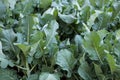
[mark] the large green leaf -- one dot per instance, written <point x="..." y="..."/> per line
<point x="111" y="62"/>
<point x="118" y="34"/>
<point x="99" y="72"/>
<point x="10" y="3"/>
<point x="8" y="37"/>
<point x="65" y="59"/>
<point x="104" y="20"/>
<point x="51" y="32"/>
<point x="102" y="33"/>
<point x="78" y="42"/>
<point x="33" y="77"/>
<point x="27" y="9"/>
<point x="45" y="3"/>
<point x="48" y="76"/>
<point x="93" y="47"/>
<point x="24" y="47"/>
<point x="92" y="18"/>
<point x="2" y="9"/>
<point x="28" y="26"/>
<point x="1" y="52"/>
<point x="4" y="62"/>
<point x="117" y="51"/>
<point x="49" y="15"/>
<point x="67" y="18"/>
<point x="116" y="6"/>
<point x="34" y="48"/>
<point x="85" y="13"/>
<point x="84" y="70"/>
<point x="6" y="74"/>
<point x="36" y="36"/>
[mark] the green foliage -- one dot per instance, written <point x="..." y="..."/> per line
<point x="6" y="74"/>
<point x="59" y="39"/>
<point x="84" y="70"/>
<point x="66" y="60"/>
<point x="45" y="3"/>
<point x="48" y="76"/>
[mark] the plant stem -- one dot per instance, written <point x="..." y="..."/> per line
<point x="45" y="60"/>
<point x="28" y="69"/>
<point x="21" y="67"/>
<point x="98" y="55"/>
<point x="75" y="76"/>
<point x="32" y="68"/>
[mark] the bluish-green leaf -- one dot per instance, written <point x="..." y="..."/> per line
<point x="49" y="14"/>
<point x="6" y="74"/>
<point x="93" y="47"/>
<point x="67" y="18"/>
<point x="10" y="3"/>
<point x="65" y="59"/>
<point x="34" y="48"/>
<point x="84" y="70"/>
<point x="51" y="32"/>
<point x="2" y="9"/>
<point x="92" y="18"/>
<point x="34" y="77"/>
<point x="7" y="38"/>
<point x="3" y="61"/>
<point x="102" y="33"/>
<point x="24" y="47"/>
<point x="111" y="62"/>
<point x="99" y="72"/>
<point x="118" y="34"/>
<point x="48" y="76"/>
<point x="45" y="3"/>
